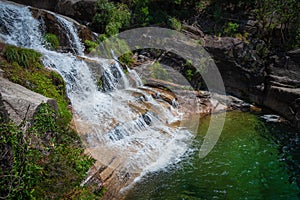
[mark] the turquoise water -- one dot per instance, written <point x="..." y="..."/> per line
<point x="252" y="160"/>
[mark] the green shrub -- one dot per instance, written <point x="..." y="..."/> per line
<point x="141" y="14"/>
<point x="24" y="57"/>
<point x="175" y="24"/>
<point x="90" y="45"/>
<point x="46" y="161"/>
<point x="111" y="17"/>
<point x="52" y="40"/>
<point x="189" y="74"/>
<point x="231" y="28"/>
<point x="273" y="14"/>
<point x="102" y="37"/>
<point x="100" y="84"/>
<point x="126" y="59"/>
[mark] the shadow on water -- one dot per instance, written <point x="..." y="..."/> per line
<point x="252" y="160"/>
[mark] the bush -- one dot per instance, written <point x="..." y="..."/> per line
<point x="52" y="40"/>
<point x="231" y="28"/>
<point x="24" y="57"/>
<point x="141" y="14"/>
<point x="278" y="14"/>
<point x="189" y="74"/>
<point x="175" y="24"/>
<point x="126" y="59"/>
<point x="90" y="45"/>
<point x="46" y="161"/>
<point x="111" y="17"/>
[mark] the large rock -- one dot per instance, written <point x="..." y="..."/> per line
<point x="45" y="4"/>
<point x="19" y="103"/>
<point x="283" y="85"/>
<point x="285" y="101"/>
<point x="241" y="68"/>
<point x="81" y="10"/>
<point x="54" y="26"/>
<point x="247" y="73"/>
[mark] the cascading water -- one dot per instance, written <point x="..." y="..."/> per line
<point x="121" y="122"/>
<point x="69" y="28"/>
<point x="18" y="27"/>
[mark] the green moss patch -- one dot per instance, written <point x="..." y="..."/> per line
<point x="52" y="40"/>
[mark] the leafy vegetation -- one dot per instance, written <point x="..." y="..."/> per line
<point x="274" y="14"/>
<point x="45" y="161"/>
<point x="231" y="28"/>
<point x="42" y="159"/>
<point x="90" y="45"/>
<point x="51" y="40"/>
<point x="24" y="57"/>
<point x="126" y="59"/>
<point x="189" y="74"/>
<point x="111" y="17"/>
<point x="175" y="24"/>
<point x="222" y="18"/>
<point x="38" y="79"/>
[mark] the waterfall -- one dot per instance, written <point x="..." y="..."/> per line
<point x="114" y="122"/>
<point x="69" y="28"/>
<point x="18" y="27"/>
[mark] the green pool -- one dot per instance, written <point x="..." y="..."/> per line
<point x="252" y="160"/>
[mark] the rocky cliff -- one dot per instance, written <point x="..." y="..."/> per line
<point x="272" y="81"/>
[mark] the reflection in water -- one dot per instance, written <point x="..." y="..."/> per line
<point x="252" y="160"/>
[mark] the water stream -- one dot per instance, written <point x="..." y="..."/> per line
<point x="123" y="121"/>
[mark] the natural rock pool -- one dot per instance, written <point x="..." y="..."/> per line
<point x="252" y="160"/>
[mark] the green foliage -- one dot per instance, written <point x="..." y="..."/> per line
<point x="86" y="193"/>
<point x="52" y="40"/>
<point x="141" y="12"/>
<point x="175" y="24"/>
<point x="24" y="57"/>
<point x="189" y="74"/>
<point x="201" y="6"/>
<point x="231" y="28"/>
<point x="111" y="17"/>
<point x="102" y="37"/>
<point x="158" y="72"/>
<point x="126" y="59"/>
<point x="296" y="33"/>
<point x="217" y="13"/>
<point x="45" y="161"/>
<point x="90" y="45"/>
<point x="40" y="80"/>
<point x="278" y="14"/>
<point x="20" y="172"/>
